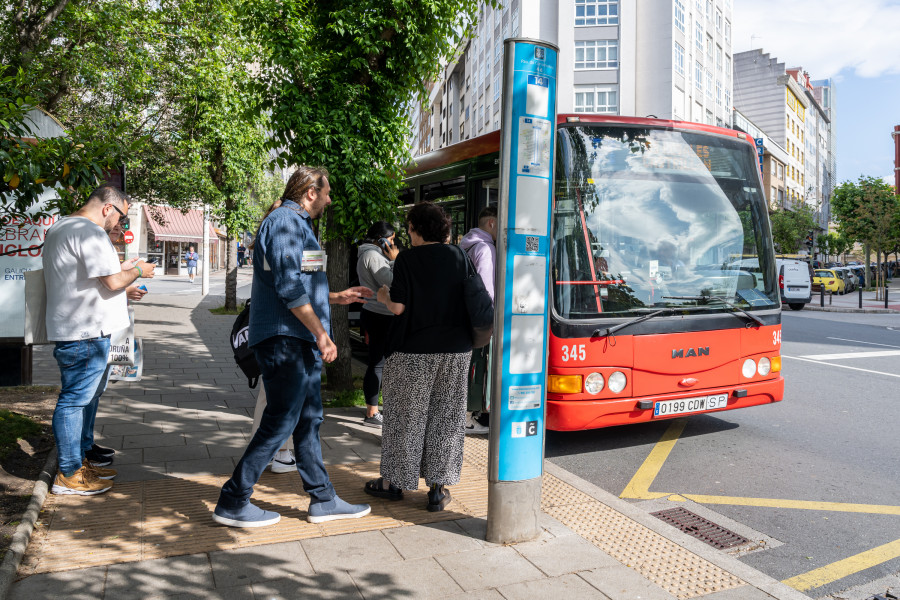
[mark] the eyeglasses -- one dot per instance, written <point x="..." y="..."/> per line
<point x="123" y="218"/>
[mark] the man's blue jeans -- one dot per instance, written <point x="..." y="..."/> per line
<point x="291" y="370"/>
<point x="82" y="365"/>
<point x="90" y="413"/>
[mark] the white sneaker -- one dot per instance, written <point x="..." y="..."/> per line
<point x="473" y="427"/>
<point x="283" y="462"/>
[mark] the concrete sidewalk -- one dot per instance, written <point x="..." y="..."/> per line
<point x="850" y="302"/>
<point x="179" y="433"/>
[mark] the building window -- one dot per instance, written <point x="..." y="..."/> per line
<point x="599" y="54"/>
<point x="719" y="93"/>
<point x="602" y="100"/>
<point x="496" y="88"/>
<point x="728" y="65"/>
<point x="709" y="84"/>
<point x="515" y="21"/>
<point x="727" y="31"/>
<point x="679" y="15"/>
<point x="698" y="75"/>
<point x="709" y="47"/>
<point x="679" y="59"/>
<point x="709" y="117"/>
<point x="718" y="58"/>
<point x="597" y="12"/>
<point x="498" y="50"/>
<point x="718" y="20"/>
<point x="727" y="98"/>
<point x="709" y="10"/>
<point x="698" y="37"/>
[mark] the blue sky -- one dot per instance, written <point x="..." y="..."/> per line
<point x="856" y="44"/>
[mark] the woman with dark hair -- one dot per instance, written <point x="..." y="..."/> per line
<point x="429" y="349"/>
<point x="374" y="267"/>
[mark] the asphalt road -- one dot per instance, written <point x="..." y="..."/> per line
<point x="180" y="285"/>
<point x="817" y="476"/>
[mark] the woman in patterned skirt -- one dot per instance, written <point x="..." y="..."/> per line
<point x="429" y="347"/>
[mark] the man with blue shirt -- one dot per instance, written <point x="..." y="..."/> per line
<point x="290" y="334"/>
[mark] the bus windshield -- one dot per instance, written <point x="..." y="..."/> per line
<point x="650" y="218"/>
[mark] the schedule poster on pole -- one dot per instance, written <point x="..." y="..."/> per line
<point x="528" y="141"/>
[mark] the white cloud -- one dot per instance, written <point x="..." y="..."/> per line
<point x="822" y="36"/>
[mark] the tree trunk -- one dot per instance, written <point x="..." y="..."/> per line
<point x="231" y="268"/>
<point x="339" y="373"/>
<point x="867" y="270"/>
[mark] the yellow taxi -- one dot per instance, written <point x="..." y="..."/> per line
<point x="832" y="281"/>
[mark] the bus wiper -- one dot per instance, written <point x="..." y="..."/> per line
<point x="723" y="301"/>
<point x="611" y="330"/>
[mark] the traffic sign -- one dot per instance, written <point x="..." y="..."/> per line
<point x="129" y="237"/>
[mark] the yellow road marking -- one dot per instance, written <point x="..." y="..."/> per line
<point x="875" y="509"/>
<point x="639" y="486"/>
<point x="843" y="568"/>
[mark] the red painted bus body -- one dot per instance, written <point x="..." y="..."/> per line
<point x="662" y="284"/>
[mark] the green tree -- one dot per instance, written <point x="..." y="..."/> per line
<point x="868" y="212"/>
<point x="834" y="243"/>
<point x="338" y="78"/>
<point x="790" y="227"/>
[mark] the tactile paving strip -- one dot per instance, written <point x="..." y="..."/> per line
<point x="171" y="517"/>
<point x="675" y="569"/>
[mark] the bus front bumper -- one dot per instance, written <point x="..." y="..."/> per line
<point x="575" y="415"/>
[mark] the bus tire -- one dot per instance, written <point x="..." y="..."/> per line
<point x="796" y="305"/>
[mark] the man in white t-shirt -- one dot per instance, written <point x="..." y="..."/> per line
<point x="86" y="301"/>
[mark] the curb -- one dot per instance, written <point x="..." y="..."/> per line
<point x="22" y="536"/>
<point x="751" y="576"/>
<point x="841" y="309"/>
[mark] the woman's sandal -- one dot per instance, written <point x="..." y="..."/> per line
<point x="376" y="488"/>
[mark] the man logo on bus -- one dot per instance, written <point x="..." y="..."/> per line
<point x="690" y="352"/>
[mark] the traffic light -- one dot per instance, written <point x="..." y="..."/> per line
<point x="126" y="225"/>
<point x="809" y="241"/>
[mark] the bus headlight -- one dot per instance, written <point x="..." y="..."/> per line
<point x="564" y="384"/>
<point x="617" y="382"/>
<point x="765" y="365"/>
<point x="749" y="368"/>
<point x="593" y="383"/>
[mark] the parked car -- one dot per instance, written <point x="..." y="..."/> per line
<point x="833" y="282"/>
<point x="849" y="278"/>
<point x="795" y="282"/>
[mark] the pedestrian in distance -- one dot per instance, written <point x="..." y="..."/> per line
<point x="191" y="258"/>
<point x="289" y="332"/>
<point x="86" y="302"/>
<point x="240" y="255"/>
<point x="374" y="267"/>
<point x="479" y="244"/>
<point x="429" y="349"/>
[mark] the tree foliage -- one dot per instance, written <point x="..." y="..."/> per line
<point x="338" y="78"/>
<point x="790" y="227"/>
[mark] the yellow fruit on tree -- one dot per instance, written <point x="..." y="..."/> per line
<point x="65" y="169"/>
<point x="14" y="182"/>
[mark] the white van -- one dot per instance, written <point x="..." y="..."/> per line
<point x="795" y="282"/>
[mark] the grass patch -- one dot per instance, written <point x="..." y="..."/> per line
<point x="221" y="310"/>
<point x="346" y="398"/>
<point x="14" y="427"/>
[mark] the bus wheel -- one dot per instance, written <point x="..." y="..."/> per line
<point x="796" y="305"/>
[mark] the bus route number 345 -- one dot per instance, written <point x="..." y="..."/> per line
<point x="573" y="352"/>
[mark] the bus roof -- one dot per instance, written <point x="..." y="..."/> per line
<point x="490" y="142"/>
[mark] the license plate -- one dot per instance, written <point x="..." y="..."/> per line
<point x="664" y="408"/>
<point x="795" y="289"/>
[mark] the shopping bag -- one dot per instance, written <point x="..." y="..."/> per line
<point x="130" y="372"/>
<point x="121" y="343"/>
<point x="35" y="308"/>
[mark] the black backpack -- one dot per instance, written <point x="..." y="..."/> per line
<point x="243" y="355"/>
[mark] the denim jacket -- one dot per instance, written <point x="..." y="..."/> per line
<point x="278" y="283"/>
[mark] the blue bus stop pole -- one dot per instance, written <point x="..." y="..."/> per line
<point x="521" y="299"/>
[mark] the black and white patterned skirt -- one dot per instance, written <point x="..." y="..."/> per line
<point x="424" y="418"/>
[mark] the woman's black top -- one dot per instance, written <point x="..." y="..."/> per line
<point x="428" y="280"/>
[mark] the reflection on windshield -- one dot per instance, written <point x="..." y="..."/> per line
<point x="644" y="215"/>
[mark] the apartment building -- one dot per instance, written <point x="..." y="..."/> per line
<point x="773" y="161"/>
<point x="668" y="58"/>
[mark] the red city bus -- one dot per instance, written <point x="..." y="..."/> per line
<point x="664" y="299"/>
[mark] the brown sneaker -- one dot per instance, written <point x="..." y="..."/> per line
<point x="82" y="482"/>
<point x="99" y="472"/>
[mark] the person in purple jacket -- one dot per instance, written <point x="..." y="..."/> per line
<point x="479" y="245"/>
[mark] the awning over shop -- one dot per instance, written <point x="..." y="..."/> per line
<point x="172" y="225"/>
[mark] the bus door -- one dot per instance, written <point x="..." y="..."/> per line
<point x="451" y="196"/>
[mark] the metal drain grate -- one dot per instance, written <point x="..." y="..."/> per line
<point x="702" y="529"/>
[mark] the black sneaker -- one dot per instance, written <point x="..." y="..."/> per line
<point x="101" y="450"/>
<point x="97" y="459"/>
<point x="438" y="498"/>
